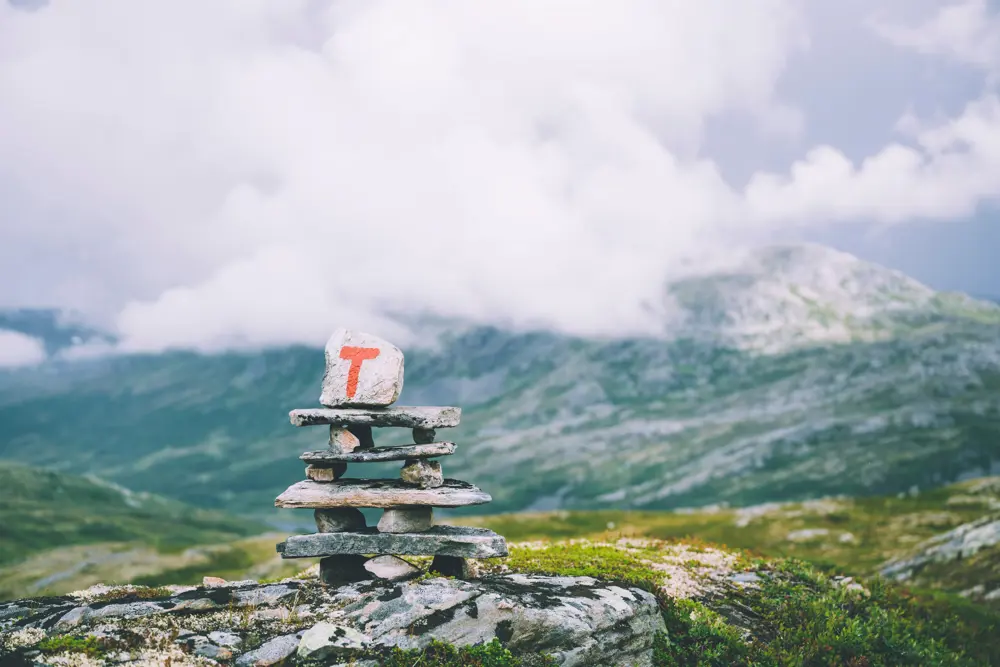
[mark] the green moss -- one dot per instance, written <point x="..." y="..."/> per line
<point x="140" y="592"/>
<point x="90" y="646"/>
<point x="439" y="654"/>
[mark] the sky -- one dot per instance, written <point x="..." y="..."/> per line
<point x="259" y="172"/>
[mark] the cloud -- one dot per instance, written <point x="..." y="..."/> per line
<point x="249" y="172"/>
<point x="965" y="31"/>
<point x="18" y="349"/>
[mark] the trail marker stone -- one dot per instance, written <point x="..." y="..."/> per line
<point x="362" y="370"/>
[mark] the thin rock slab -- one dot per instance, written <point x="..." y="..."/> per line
<point x="396" y="416"/>
<point x="361" y="370"/>
<point x="380" y="493"/>
<point x="460" y="541"/>
<point x="406" y="453"/>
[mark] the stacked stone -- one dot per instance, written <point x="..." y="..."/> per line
<point x="364" y="376"/>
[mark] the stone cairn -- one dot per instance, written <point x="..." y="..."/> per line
<point x="364" y="375"/>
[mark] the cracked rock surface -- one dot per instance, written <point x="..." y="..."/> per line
<point x="575" y="620"/>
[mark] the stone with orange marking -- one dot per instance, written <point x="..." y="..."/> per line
<point x="362" y="370"/>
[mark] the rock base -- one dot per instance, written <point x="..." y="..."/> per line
<point x="578" y="621"/>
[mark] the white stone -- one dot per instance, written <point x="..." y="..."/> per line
<point x="391" y="568"/>
<point x="362" y="370"/>
<point x="406" y="520"/>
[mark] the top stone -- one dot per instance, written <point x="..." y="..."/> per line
<point x="362" y="370"/>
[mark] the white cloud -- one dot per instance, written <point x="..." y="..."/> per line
<point x="967" y="31"/>
<point x="18" y="349"/>
<point x="255" y="171"/>
<point x="951" y="168"/>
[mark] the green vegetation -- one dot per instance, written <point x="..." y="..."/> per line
<point x="793" y="615"/>
<point x="439" y="654"/>
<point x="855" y="536"/>
<point x="89" y="645"/>
<point x="40" y="509"/>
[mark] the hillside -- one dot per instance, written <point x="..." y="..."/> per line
<point x="798" y="373"/>
<point x="625" y="602"/>
<point x="58" y="531"/>
<point x="945" y="539"/>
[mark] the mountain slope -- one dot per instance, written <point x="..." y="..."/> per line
<point x="40" y="509"/>
<point x="799" y="373"/>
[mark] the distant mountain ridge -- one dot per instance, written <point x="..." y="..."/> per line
<point x="796" y="373"/>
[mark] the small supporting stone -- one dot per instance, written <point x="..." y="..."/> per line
<point x="406" y="520"/>
<point x="423" y="436"/>
<point x="326" y="473"/>
<point x="423" y="474"/>
<point x="343" y="441"/>
<point x="450" y="566"/>
<point x="364" y="434"/>
<point x="391" y="568"/>
<point x="339" y="520"/>
<point x="343" y="569"/>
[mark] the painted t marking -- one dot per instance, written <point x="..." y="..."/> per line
<point x="356" y="355"/>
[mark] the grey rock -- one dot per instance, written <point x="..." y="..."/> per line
<point x="961" y="542"/>
<point x="196" y="604"/>
<point x="326" y="472"/>
<point x="361" y="370"/>
<point x="450" y="566"/>
<point x="339" y="519"/>
<point x="406" y="520"/>
<point x="225" y="638"/>
<point x="376" y="454"/>
<point x="326" y="640"/>
<point x="423" y="436"/>
<point x="391" y="568"/>
<point x="578" y="620"/>
<point x="204" y="647"/>
<point x="463" y="541"/>
<point x="270" y="594"/>
<point x="402" y="416"/>
<point x="422" y="474"/>
<point x="342" y="440"/>
<point x="344" y="568"/>
<point x="363" y="434"/>
<point x="380" y="493"/>
<point x="273" y="652"/>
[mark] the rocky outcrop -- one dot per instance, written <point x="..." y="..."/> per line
<point x="962" y="542"/>
<point x="574" y="620"/>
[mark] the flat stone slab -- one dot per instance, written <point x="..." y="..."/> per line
<point x="404" y="416"/>
<point x="377" y="454"/>
<point x="460" y="541"/>
<point x="380" y="493"/>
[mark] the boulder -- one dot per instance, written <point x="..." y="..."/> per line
<point x="578" y="621"/>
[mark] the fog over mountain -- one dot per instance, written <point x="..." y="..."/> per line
<point x="240" y="174"/>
